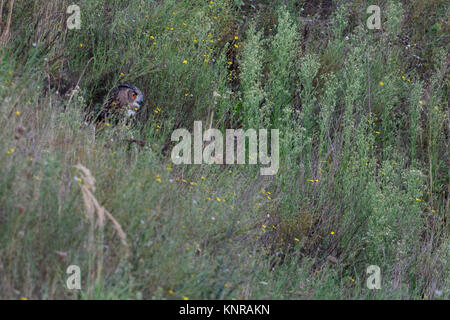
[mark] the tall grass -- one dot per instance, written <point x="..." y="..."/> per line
<point x="364" y="168"/>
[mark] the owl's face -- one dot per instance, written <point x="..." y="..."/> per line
<point x="127" y="100"/>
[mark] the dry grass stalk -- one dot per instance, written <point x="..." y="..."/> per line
<point x="87" y="185"/>
<point x="95" y="210"/>
<point x="1" y="12"/>
<point x="5" y="35"/>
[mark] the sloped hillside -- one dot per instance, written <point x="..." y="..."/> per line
<point x="363" y="173"/>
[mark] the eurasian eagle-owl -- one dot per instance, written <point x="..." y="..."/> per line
<point x="124" y="102"/>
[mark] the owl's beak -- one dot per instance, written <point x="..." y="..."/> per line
<point x="137" y="104"/>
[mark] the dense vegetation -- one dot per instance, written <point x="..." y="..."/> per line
<point x="364" y="161"/>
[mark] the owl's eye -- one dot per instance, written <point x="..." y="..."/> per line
<point x="134" y="95"/>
